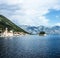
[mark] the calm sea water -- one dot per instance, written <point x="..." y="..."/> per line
<point x="30" y="46"/>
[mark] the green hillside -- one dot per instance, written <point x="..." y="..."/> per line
<point x="5" y="22"/>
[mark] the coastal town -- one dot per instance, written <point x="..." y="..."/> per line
<point x="7" y="33"/>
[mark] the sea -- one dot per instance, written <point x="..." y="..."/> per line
<point x="30" y="46"/>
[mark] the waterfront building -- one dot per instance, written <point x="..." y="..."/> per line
<point x="7" y="33"/>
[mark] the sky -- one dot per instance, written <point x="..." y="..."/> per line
<point x="31" y="12"/>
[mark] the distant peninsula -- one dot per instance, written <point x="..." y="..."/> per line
<point x="6" y="23"/>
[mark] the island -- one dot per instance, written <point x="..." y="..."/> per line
<point x="42" y="33"/>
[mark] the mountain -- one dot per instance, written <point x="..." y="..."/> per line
<point x="30" y="29"/>
<point x="38" y="29"/>
<point x="5" y="22"/>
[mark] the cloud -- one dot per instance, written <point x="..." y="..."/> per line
<point x="57" y="24"/>
<point x="10" y="2"/>
<point x="29" y="12"/>
<point x="33" y="21"/>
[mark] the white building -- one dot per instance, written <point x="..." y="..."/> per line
<point x="6" y="33"/>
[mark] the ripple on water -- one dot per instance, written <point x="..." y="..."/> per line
<point x="30" y="46"/>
